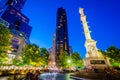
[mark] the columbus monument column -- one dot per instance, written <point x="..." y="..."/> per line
<point x="94" y="58"/>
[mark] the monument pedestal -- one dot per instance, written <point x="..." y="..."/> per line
<point x="99" y="63"/>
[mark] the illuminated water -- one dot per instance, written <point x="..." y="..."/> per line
<point x="12" y="77"/>
<point x="55" y="76"/>
<point x="45" y="76"/>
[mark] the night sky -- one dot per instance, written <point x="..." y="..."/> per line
<point x="103" y="17"/>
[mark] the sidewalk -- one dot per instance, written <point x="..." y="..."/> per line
<point x="83" y="75"/>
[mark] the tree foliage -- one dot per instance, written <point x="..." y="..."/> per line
<point x="31" y="55"/>
<point x="76" y="59"/>
<point x="3" y="58"/>
<point x="5" y="38"/>
<point x="66" y="60"/>
<point x="44" y="56"/>
<point x="35" y="56"/>
<point x="113" y="54"/>
<point x="17" y="62"/>
<point x="62" y="60"/>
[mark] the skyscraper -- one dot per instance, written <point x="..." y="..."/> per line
<point x="17" y="4"/>
<point x="62" y="42"/>
<point x="5" y="23"/>
<point x="10" y="11"/>
<point x="52" y="51"/>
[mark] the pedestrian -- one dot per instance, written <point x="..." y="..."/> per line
<point x="29" y="75"/>
<point x="108" y="74"/>
<point x="36" y="74"/>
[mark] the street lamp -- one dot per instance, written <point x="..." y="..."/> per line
<point x="54" y="63"/>
<point x="69" y="61"/>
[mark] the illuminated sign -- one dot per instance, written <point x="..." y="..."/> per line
<point x="15" y="40"/>
<point x="97" y="61"/>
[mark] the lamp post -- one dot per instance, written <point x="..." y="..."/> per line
<point x="69" y="61"/>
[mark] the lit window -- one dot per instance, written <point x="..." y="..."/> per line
<point x="15" y="40"/>
<point x="19" y="14"/>
<point x="61" y="45"/>
<point x="57" y="46"/>
<point x="63" y="13"/>
<point x="65" y="38"/>
<point x="12" y="11"/>
<point x="24" y="20"/>
<point x="61" y="41"/>
<point x="61" y="17"/>
<point x="61" y="20"/>
<point x="65" y="46"/>
<point x="59" y="26"/>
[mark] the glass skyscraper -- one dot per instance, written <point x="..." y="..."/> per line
<point x="10" y="10"/>
<point x="18" y="4"/>
<point x="62" y="42"/>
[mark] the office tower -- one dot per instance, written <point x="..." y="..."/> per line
<point x="62" y="42"/>
<point x="70" y="50"/>
<point x="10" y="11"/>
<point x="4" y="23"/>
<point x="18" y="4"/>
<point x="52" y="51"/>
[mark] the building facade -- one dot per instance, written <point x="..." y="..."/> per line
<point x="70" y="50"/>
<point x="52" y="52"/>
<point x="17" y="44"/>
<point x="18" y="4"/>
<point x="3" y="22"/>
<point x="10" y="11"/>
<point x="62" y="42"/>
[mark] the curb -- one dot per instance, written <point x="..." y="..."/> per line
<point x="73" y="77"/>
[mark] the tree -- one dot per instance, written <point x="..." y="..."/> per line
<point x="63" y="59"/>
<point x="31" y="55"/>
<point x="16" y="62"/>
<point x="44" y="56"/>
<point x="3" y="58"/>
<point x="114" y="54"/>
<point x="5" y="38"/>
<point x="76" y="59"/>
